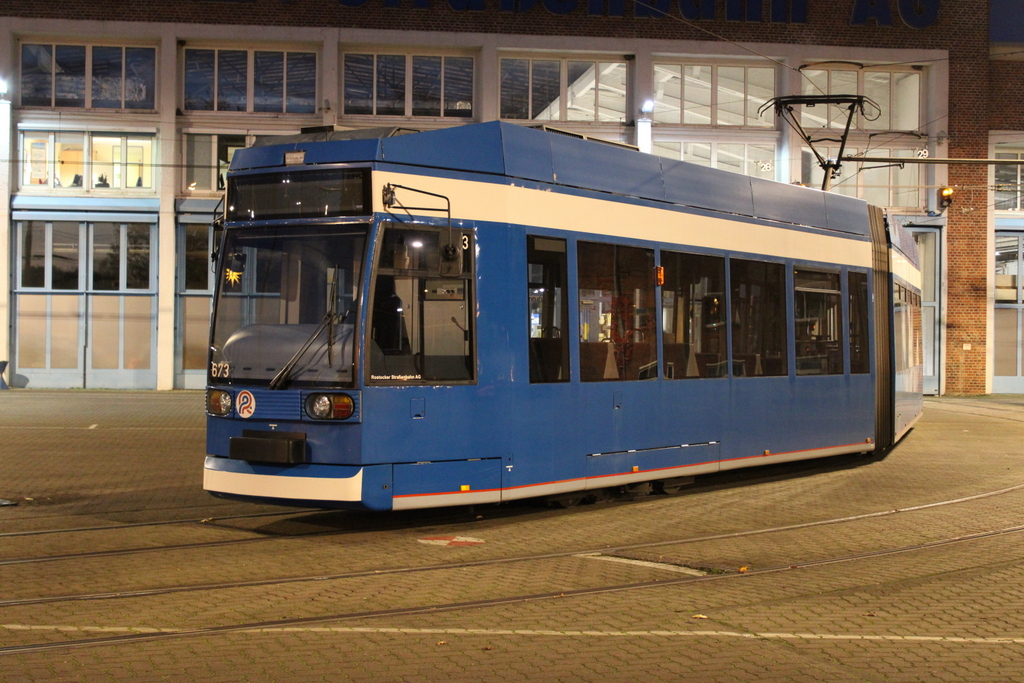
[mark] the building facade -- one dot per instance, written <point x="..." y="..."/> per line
<point x="118" y="123"/>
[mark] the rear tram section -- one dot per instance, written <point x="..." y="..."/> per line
<point x="486" y="313"/>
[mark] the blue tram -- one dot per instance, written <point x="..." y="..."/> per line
<point x="490" y="312"/>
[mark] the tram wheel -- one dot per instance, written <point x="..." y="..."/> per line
<point x="565" y="502"/>
<point x="669" y="487"/>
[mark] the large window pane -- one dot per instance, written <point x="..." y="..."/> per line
<point x="860" y="354"/>
<point x="1007" y="266"/>
<point x="106" y="256"/>
<point x="197" y="257"/>
<point x="760" y="89"/>
<point x="667" y="93"/>
<point x="515" y="88"/>
<point x="36" y="150"/>
<point x="1007" y="183"/>
<point x="876" y="88"/>
<point x="758" y="318"/>
<point x="815" y="82"/>
<point x="106" y="77"/>
<point x="906" y="101"/>
<point x="32" y="331"/>
<point x="697" y="94"/>
<point x="617" y="314"/>
<point x="731" y="157"/>
<point x="227" y="145"/>
<point x="426" y="86"/>
<point x="301" y="83"/>
<point x="611" y="93"/>
<point x="1006" y="342"/>
<point x="139" y="162"/>
<point x="841" y="83"/>
<point x="69" y="80"/>
<point x="818" y="323"/>
<point x="458" y="86"/>
<point x="64" y="264"/>
<point x="199" y="162"/>
<point x="69" y="159"/>
<point x="138" y="256"/>
<point x="731" y="96"/>
<point x="140" y="78"/>
<point x="581" y="91"/>
<point x="390" y="85"/>
<point x="268" y="81"/>
<point x="33" y="254"/>
<point x="545" y="84"/>
<point x="138" y="332"/>
<point x="421" y="327"/>
<point x="64" y="344"/>
<point x="195" y="331"/>
<point x="105" y="325"/>
<point x="547" y="283"/>
<point x="106" y="162"/>
<point x="232" y="79"/>
<point x="358" y="84"/>
<point x="693" y="316"/>
<point x="36" y="75"/>
<point x="200" y="67"/>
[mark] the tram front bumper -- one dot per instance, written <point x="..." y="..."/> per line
<point x="305" y="485"/>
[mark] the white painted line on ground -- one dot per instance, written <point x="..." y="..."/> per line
<point x="642" y="563"/>
<point x="534" y="632"/>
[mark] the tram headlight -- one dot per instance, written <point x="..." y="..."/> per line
<point x="218" y="402"/>
<point x="330" y="406"/>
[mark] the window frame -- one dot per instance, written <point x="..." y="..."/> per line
<point x="88" y="94"/>
<point x="89" y="178"/>
<point x="251" y="79"/>
<point x="837" y="121"/>
<point x="563" y="98"/>
<point x="750" y="105"/>
<point x="409" y="58"/>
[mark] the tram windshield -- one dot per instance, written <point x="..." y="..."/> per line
<point x="286" y="306"/>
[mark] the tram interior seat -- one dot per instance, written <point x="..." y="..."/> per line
<point x="597" y="362"/>
<point x="546" y="359"/>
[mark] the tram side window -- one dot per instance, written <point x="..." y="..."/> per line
<point x="421" y="325"/>
<point x="693" y="316"/>
<point x="617" y="314"/>
<point x="758" y="295"/>
<point x="818" y="322"/>
<point x="860" y="360"/>
<point x="547" y="281"/>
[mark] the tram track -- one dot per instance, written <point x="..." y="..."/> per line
<point x="149" y="634"/>
<point x="602" y="550"/>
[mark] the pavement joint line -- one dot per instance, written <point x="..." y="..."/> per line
<point x="643" y="563"/>
<point x="1008" y="640"/>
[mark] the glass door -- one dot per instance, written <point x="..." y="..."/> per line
<point x="121" y="307"/>
<point x="1007" y="374"/>
<point x="928" y="245"/>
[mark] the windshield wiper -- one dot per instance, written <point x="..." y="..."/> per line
<point x="283" y="376"/>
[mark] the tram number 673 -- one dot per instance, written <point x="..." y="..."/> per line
<point x="220" y="369"/>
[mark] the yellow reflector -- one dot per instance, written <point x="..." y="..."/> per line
<point x="464" y="487"/>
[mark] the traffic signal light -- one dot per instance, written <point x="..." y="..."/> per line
<point x="945" y="197"/>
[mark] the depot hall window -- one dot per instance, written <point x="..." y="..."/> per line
<point x="219" y="80"/>
<point x="81" y="161"/>
<point x="408" y="85"/>
<point x="88" y="76"/>
<point x="563" y="90"/>
<point x="713" y="95"/>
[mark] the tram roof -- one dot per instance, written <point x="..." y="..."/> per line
<point x="506" y="149"/>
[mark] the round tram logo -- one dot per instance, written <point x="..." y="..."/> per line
<point x="246" y="405"/>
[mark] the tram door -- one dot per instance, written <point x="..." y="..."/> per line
<point x="547" y="418"/>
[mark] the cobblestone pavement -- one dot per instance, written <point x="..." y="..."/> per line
<point x="115" y="565"/>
